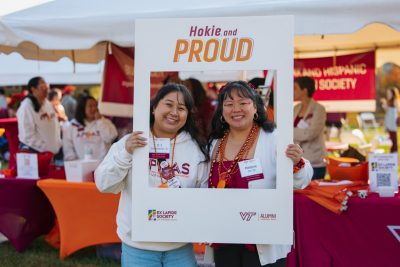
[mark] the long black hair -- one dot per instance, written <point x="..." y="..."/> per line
<point x="34" y="82"/>
<point x="190" y="125"/>
<point x="219" y="126"/>
<point x="80" y="113"/>
<point x="198" y="92"/>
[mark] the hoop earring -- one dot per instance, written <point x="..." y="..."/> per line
<point x="255" y="116"/>
<point x="222" y="119"/>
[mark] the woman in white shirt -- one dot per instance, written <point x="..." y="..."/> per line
<point x="241" y="131"/>
<point x="38" y="126"/>
<point x="390" y="106"/>
<point x="186" y="166"/>
<point x="89" y="133"/>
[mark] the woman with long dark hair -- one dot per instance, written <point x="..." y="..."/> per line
<point x="38" y="126"/>
<point x="203" y="108"/>
<point x="89" y="134"/>
<point x="240" y="131"/>
<point x="173" y="127"/>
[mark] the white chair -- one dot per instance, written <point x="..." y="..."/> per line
<point x="367" y="120"/>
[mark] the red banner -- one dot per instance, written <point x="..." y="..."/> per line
<point x="350" y="77"/>
<point x="117" y="93"/>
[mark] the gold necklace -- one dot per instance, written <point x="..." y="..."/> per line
<point x="224" y="177"/>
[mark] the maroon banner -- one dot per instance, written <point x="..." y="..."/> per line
<point x="350" y="77"/>
<point x="117" y="94"/>
<point x="118" y="76"/>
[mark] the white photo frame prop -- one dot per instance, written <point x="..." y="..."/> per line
<point x="261" y="216"/>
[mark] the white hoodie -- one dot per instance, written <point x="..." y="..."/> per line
<point x="39" y="130"/>
<point x="95" y="136"/>
<point x="114" y="174"/>
<point x="266" y="151"/>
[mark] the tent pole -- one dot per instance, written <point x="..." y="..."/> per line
<point x="73" y="61"/>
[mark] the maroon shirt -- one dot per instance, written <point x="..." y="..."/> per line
<point x="296" y="121"/>
<point x="236" y="181"/>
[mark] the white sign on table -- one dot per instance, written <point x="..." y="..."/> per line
<point x="256" y="216"/>
<point x="383" y="172"/>
<point x="27" y="165"/>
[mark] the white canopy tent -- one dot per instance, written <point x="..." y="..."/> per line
<point x="15" y="70"/>
<point x="80" y="30"/>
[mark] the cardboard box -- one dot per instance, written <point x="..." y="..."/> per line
<point x="80" y="170"/>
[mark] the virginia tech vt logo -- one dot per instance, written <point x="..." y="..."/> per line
<point x="247" y="216"/>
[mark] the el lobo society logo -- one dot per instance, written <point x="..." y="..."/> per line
<point x="248" y="215"/>
<point x="162" y="215"/>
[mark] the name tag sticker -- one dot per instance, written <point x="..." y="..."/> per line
<point x="161" y="149"/>
<point x="251" y="169"/>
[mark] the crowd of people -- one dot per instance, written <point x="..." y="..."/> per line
<point x="71" y="129"/>
<point x="206" y="137"/>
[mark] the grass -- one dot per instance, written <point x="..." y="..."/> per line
<point x="40" y="254"/>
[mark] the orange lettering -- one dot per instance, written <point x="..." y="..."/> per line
<point x="195" y="49"/>
<point x="224" y="49"/>
<point x="181" y="48"/>
<point x="242" y="45"/>
<point x="207" y="50"/>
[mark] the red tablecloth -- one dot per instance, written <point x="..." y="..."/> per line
<point x="11" y="127"/>
<point x="358" y="237"/>
<point x="25" y="212"/>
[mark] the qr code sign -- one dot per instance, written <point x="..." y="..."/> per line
<point x="383" y="179"/>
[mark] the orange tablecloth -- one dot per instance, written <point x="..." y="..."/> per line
<point x="86" y="216"/>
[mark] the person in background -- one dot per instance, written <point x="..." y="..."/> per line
<point x="203" y="108"/>
<point x="38" y="126"/>
<point x="3" y="104"/>
<point x="390" y="105"/>
<point x="68" y="101"/>
<point x="212" y="94"/>
<point x="268" y="100"/>
<point x="55" y="99"/>
<point x="89" y="135"/>
<point x="172" y="77"/>
<point x="171" y="118"/>
<point x="309" y="124"/>
<point x="4" y="113"/>
<point x="334" y="119"/>
<point x="241" y="131"/>
<point x="3" y="99"/>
